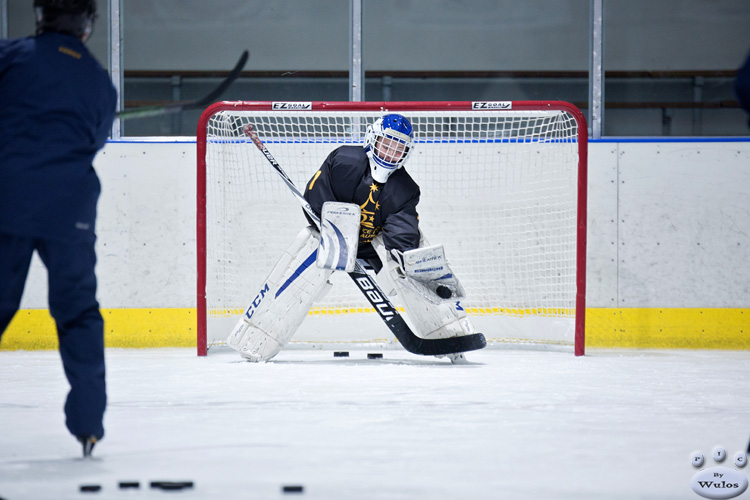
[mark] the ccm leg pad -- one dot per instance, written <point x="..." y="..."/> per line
<point x="284" y="299"/>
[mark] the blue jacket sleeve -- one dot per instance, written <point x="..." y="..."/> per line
<point x="742" y="85"/>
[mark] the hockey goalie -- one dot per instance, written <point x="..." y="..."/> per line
<point x="367" y="206"/>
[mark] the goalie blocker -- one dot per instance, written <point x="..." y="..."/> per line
<point x="299" y="279"/>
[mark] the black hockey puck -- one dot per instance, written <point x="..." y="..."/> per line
<point x="374" y="355"/>
<point x="444" y="292"/>
<point x="292" y="489"/>
<point x="124" y="485"/>
<point x="340" y="354"/>
<point x="172" y="485"/>
<point x="89" y="488"/>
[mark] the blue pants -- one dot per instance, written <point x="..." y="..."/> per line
<point x="73" y="305"/>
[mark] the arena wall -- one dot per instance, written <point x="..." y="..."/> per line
<point x="668" y="245"/>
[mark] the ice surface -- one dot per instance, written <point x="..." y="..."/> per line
<point x="512" y="424"/>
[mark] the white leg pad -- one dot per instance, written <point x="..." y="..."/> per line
<point x="282" y="303"/>
<point x="427" y="319"/>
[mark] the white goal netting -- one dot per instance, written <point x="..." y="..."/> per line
<point x="499" y="191"/>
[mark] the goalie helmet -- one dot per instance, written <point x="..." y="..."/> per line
<point x="72" y="17"/>
<point x="388" y="143"/>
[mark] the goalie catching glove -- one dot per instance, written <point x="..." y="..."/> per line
<point x="415" y="277"/>
<point x="426" y="271"/>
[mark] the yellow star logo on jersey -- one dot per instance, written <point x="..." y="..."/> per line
<point x="377" y="205"/>
<point x="372" y="219"/>
<point x="373" y="187"/>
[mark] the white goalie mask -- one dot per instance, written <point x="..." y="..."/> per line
<point x="388" y="143"/>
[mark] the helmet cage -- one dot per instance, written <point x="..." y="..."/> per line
<point x="388" y="144"/>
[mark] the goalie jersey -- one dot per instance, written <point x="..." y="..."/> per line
<point x="390" y="207"/>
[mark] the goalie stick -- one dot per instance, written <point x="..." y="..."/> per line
<point x="177" y="107"/>
<point x="369" y="287"/>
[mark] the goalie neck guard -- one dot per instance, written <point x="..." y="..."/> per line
<point x="71" y="17"/>
<point x="388" y="143"/>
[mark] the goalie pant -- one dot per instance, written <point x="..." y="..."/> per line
<point x="296" y="282"/>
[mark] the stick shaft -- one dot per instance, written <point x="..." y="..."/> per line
<point x="178" y="107"/>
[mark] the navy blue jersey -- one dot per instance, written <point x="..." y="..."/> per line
<point x="56" y="109"/>
<point x="742" y="85"/>
<point x="390" y="208"/>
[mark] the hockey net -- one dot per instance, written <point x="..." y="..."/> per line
<point x="503" y="189"/>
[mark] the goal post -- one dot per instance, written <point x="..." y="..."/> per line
<point x="503" y="189"/>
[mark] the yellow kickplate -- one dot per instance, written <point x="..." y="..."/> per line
<point x="668" y="328"/>
<point x="34" y="329"/>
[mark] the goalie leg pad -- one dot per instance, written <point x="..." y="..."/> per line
<point x="282" y="303"/>
<point x="428" y="319"/>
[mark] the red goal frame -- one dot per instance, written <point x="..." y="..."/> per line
<point x="396" y="106"/>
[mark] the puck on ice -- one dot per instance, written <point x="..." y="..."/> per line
<point x="374" y="355"/>
<point x="341" y="354"/>
<point x="292" y="489"/>
<point x="129" y="484"/>
<point x="172" y="485"/>
<point x="90" y="487"/>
